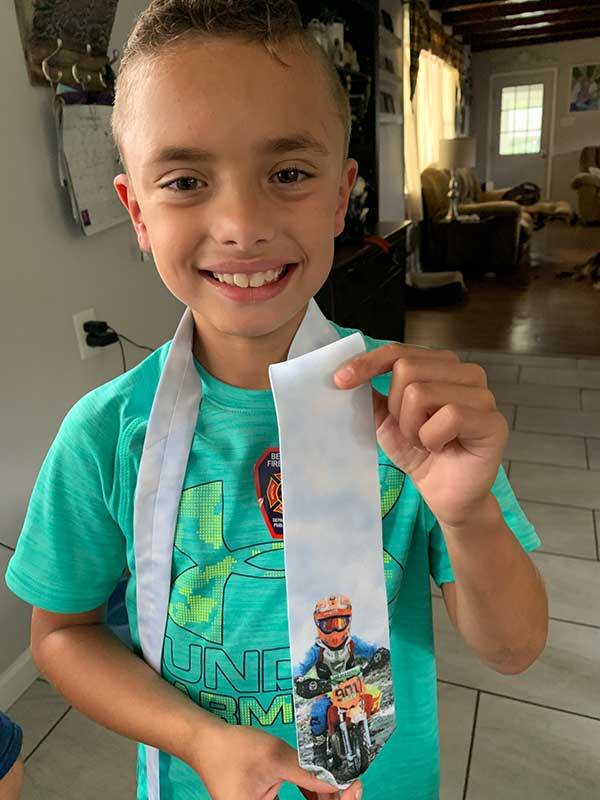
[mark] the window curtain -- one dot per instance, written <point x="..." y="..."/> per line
<point x="435" y="106"/>
<point x="425" y="33"/>
<point x="429" y="115"/>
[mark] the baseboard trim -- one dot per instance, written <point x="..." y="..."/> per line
<point x="17" y="679"/>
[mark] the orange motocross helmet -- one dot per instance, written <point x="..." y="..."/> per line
<point x="332" y="617"/>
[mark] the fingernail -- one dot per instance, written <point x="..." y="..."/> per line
<point x="345" y="374"/>
<point x="358" y="794"/>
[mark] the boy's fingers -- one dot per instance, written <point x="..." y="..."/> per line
<point x="367" y="365"/>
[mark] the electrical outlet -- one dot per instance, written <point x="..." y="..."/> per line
<point x="78" y="319"/>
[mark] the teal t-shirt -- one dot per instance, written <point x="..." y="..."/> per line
<point x="226" y="642"/>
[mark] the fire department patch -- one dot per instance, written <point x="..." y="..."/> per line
<point x="267" y="482"/>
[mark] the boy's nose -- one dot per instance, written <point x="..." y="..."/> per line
<point x="244" y="218"/>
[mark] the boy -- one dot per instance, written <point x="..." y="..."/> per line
<point x="234" y="136"/>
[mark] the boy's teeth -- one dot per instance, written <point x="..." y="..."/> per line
<point x="258" y="279"/>
<point x="240" y="279"/>
<point x="255" y="280"/>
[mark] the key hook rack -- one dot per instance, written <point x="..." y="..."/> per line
<point x="85" y="82"/>
<point x="66" y="41"/>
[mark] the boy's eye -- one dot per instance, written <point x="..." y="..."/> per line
<point x="187" y="183"/>
<point x="181" y="184"/>
<point x="293" y="171"/>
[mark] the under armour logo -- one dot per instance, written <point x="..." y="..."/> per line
<point x="197" y="592"/>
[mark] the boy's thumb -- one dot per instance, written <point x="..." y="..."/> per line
<point x="311" y="787"/>
<point x="291" y="771"/>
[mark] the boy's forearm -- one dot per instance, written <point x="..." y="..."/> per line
<point x="108" y="683"/>
<point x="501" y="603"/>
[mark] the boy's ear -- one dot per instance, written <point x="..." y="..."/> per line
<point x="124" y="189"/>
<point x="349" y="175"/>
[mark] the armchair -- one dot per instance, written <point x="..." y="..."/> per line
<point x="587" y="184"/>
<point x="496" y="244"/>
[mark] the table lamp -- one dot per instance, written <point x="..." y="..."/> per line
<point x="456" y="153"/>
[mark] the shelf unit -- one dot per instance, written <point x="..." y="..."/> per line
<point x="390" y="78"/>
<point x="390" y="119"/>
<point x="391" y="129"/>
<point x="361" y="29"/>
<point x="389" y="39"/>
<point x="377" y="141"/>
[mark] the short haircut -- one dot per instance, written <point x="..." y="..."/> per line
<point x="165" y="23"/>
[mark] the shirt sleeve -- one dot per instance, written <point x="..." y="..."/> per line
<point x="71" y="551"/>
<point x="439" y="560"/>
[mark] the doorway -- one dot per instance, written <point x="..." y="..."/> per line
<point x="520" y="128"/>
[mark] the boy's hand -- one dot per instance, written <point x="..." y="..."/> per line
<point x="244" y="762"/>
<point x="439" y="424"/>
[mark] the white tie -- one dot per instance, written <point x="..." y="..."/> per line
<point x="163" y="467"/>
<point x="333" y="549"/>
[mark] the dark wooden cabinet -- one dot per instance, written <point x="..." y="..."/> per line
<point x="366" y="286"/>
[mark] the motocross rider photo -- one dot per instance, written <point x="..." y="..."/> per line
<point x="343" y="706"/>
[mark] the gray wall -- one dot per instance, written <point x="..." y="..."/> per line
<point x="50" y="271"/>
<point x="572" y="132"/>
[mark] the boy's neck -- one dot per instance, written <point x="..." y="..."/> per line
<point x="239" y="361"/>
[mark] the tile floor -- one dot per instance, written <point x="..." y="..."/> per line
<point x="536" y="735"/>
<point x="533" y="736"/>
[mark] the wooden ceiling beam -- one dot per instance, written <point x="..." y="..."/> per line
<point x="498" y="43"/>
<point x="462" y="23"/>
<point x="500" y="30"/>
<point x="466" y="7"/>
<point x="450" y="5"/>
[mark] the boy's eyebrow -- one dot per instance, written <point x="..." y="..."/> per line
<point x="276" y="145"/>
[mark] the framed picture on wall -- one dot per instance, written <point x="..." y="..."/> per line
<point x="584" y="90"/>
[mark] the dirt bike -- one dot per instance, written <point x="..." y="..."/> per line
<point x="348" y="735"/>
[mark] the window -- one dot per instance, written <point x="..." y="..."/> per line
<point x="521" y="119"/>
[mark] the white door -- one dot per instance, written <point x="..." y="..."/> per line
<point x="521" y="112"/>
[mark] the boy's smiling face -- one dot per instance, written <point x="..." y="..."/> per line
<point x="244" y="202"/>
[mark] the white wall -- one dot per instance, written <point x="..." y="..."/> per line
<point x="572" y="132"/>
<point x="49" y="272"/>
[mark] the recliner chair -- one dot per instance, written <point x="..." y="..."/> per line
<point x="587" y="185"/>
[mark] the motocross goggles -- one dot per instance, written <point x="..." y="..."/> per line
<point x="331" y="624"/>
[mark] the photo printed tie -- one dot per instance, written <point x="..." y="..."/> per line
<point x="337" y="602"/>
